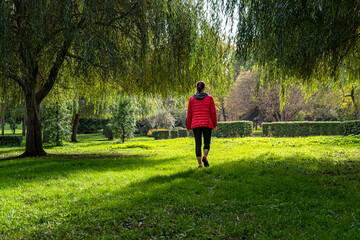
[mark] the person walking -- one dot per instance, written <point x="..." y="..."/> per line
<point x="201" y="118"/>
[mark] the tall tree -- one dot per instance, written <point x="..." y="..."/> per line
<point x="142" y="45"/>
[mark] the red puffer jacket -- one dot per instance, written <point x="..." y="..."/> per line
<point x="201" y="113"/>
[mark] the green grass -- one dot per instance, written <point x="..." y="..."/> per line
<point x="8" y="130"/>
<point x="255" y="188"/>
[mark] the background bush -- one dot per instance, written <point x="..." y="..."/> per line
<point x="11" y="140"/>
<point x="91" y="125"/>
<point x="234" y="129"/>
<point x="107" y="131"/>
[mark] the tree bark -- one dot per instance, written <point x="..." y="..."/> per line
<point x="352" y="95"/>
<point x="223" y="110"/>
<point x="75" y="127"/>
<point x="34" y="147"/>
<point x="23" y="126"/>
<point x="3" y="125"/>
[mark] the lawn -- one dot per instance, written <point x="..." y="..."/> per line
<point x="255" y="188"/>
<point x="9" y="131"/>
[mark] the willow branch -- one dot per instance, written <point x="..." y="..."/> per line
<point x="61" y="55"/>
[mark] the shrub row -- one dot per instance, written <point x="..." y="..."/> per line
<point x="11" y="140"/>
<point x="234" y="129"/>
<point x="169" y="134"/>
<point x="351" y="127"/>
<point x="296" y="129"/>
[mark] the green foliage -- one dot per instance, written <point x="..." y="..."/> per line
<point x="173" y="134"/>
<point x="142" y="46"/>
<point x="108" y="132"/>
<point x="234" y="129"/>
<point x="91" y="125"/>
<point x="123" y="122"/>
<point x="56" y="123"/>
<point x="183" y="133"/>
<point x="326" y="114"/>
<point x="257" y="188"/>
<point x="161" y="134"/>
<point x="10" y="140"/>
<point x="351" y="127"/>
<point x="163" y="119"/>
<point x="296" y="129"/>
<point x="306" y="40"/>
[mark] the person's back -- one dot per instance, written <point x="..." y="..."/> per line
<point x="201" y="112"/>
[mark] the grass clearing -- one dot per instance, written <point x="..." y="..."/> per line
<point x="255" y="188"/>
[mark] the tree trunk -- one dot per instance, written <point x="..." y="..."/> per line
<point x="23" y="126"/>
<point x="3" y="125"/>
<point x="58" y="142"/>
<point x="34" y="147"/>
<point x="75" y="127"/>
<point x="223" y="110"/>
<point x="352" y="95"/>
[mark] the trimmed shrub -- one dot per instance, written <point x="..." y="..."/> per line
<point x="11" y="140"/>
<point x="183" y="133"/>
<point x="161" y="134"/>
<point x="234" y="129"/>
<point x="296" y="129"/>
<point x="265" y="129"/>
<point x="174" y="134"/>
<point x="351" y="127"/>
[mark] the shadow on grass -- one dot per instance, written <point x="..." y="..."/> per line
<point x="266" y="197"/>
<point x="53" y="166"/>
<point x="14" y="149"/>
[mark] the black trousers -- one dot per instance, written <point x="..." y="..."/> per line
<point x="198" y="132"/>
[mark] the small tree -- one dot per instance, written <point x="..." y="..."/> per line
<point x="56" y="123"/>
<point x="124" y="120"/>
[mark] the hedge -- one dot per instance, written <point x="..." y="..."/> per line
<point x="183" y="132"/>
<point x="234" y="129"/>
<point x="174" y="134"/>
<point x="351" y="127"/>
<point x="160" y="134"/>
<point x="296" y="129"/>
<point x="11" y="140"/>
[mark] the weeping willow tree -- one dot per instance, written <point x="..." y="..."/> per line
<point x="310" y="42"/>
<point x="143" y="46"/>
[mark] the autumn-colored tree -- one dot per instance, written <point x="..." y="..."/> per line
<point x="248" y="102"/>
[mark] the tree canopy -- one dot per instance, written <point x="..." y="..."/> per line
<point x="309" y="41"/>
<point x="143" y="46"/>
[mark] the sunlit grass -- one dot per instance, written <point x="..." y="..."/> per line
<point x="255" y="188"/>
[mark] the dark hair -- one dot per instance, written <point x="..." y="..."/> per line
<point x="200" y="86"/>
